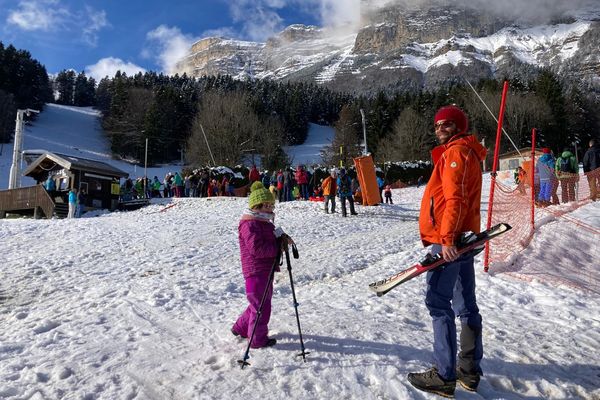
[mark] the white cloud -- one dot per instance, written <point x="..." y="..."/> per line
<point x="340" y="13"/>
<point x="95" y="21"/>
<point x="33" y="15"/>
<point x="52" y="15"/>
<point x="109" y="67"/>
<point x="259" y="18"/>
<point x="167" y="46"/>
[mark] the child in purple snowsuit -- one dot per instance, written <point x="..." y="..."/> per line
<point x="259" y="250"/>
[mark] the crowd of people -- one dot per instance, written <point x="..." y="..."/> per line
<point x="563" y="171"/>
<point x="285" y="184"/>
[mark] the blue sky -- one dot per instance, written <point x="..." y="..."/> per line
<point x="100" y="37"/>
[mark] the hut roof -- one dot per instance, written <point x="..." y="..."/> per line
<point x="48" y="161"/>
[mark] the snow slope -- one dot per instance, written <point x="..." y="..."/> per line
<point x="309" y="152"/>
<point x="138" y="305"/>
<point x="76" y="131"/>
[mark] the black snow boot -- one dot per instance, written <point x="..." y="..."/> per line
<point x="467" y="381"/>
<point x="430" y="381"/>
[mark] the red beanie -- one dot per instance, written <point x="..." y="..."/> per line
<point x="454" y="114"/>
<point x="546" y="150"/>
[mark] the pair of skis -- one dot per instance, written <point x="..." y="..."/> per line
<point x="472" y="245"/>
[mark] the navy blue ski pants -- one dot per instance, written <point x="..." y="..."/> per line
<point x="450" y="294"/>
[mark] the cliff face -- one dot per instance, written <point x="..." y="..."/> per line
<point x="394" y="28"/>
<point x="410" y="49"/>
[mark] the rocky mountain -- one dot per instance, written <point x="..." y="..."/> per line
<point x="411" y="49"/>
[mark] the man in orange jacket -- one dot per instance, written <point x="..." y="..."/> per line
<point x="329" y="186"/>
<point x="450" y="207"/>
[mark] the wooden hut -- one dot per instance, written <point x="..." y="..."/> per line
<point x="99" y="180"/>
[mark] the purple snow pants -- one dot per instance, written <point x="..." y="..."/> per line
<point x="255" y="287"/>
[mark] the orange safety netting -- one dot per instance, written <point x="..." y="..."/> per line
<point x="576" y="267"/>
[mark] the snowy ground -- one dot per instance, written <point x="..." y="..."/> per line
<point x="139" y="305"/>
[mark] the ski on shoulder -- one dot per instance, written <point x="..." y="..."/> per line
<point x="472" y="244"/>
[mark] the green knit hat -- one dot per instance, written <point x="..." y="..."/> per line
<point x="259" y="195"/>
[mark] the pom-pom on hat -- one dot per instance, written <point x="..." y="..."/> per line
<point x="454" y="114"/>
<point x="259" y="195"/>
<point x="546" y="150"/>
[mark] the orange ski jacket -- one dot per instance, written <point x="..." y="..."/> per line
<point x="329" y="186"/>
<point x="452" y="198"/>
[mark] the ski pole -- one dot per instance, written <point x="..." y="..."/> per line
<point x="244" y="361"/>
<point x="289" y="268"/>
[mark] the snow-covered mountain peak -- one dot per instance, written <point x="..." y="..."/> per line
<point x="411" y="49"/>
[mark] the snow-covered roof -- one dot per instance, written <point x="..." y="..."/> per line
<point x="48" y="159"/>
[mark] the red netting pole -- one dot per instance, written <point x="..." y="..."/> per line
<point x="494" y="169"/>
<point x="532" y="173"/>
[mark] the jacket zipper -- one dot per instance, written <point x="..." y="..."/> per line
<point x="431" y="208"/>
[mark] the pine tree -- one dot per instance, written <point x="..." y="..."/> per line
<point x="555" y="133"/>
<point x="346" y="142"/>
<point x="84" y="91"/>
<point x="65" y="86"/>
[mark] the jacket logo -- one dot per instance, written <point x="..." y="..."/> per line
<point x="453" y="164"/>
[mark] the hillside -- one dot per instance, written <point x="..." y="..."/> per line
<point x="76" y="131"/>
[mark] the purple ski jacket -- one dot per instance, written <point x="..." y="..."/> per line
<point x="258" y="246"/>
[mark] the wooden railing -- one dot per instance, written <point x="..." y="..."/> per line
<point x="26" y="198"/>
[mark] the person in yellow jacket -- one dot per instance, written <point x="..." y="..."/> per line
<point x="450" y="207"/>
<point x="329" y="186"/>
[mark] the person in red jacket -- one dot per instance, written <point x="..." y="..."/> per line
<point x="254" y="175"/>
<point x="451" y="207"/>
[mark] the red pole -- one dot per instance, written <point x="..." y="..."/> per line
<point x="533" y="133"/>
<point x="486" y="260"/>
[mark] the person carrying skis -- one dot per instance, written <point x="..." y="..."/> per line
<point x="450" y="207"/>
<point x="259" y="247"/>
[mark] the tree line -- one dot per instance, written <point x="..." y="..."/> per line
<point x="400" y="126"/>
<point x="211" y="119"/>
<point x="24" y="83"/>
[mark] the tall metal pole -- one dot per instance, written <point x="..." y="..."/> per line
<point x="493" y="116"/>
<point x="208" y="145"/>
<point x="14" y="180"/>
<point x="364" y="124"/>
<point x="146" y="169"/>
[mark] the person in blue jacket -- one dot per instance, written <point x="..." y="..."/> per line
<point x="344" y="189"/>
<point x="380" y="185"/>
<point x="544" y="169"/>
<point x="72" y="203"/>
